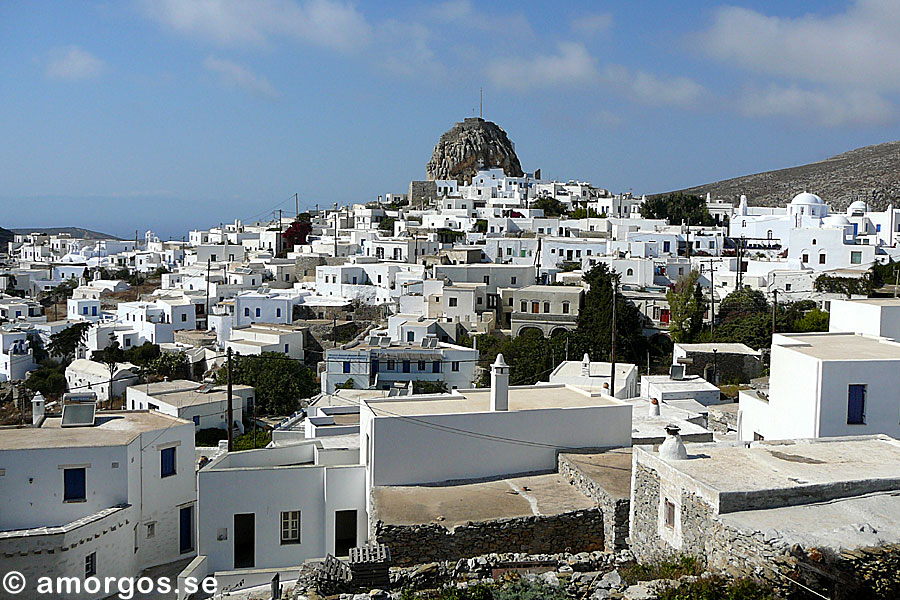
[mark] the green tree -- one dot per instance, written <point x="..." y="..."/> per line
<point x="814" y="320"/>
<point x="584" y="213"/>
<point x="142" y="355"/>
<point x="429" y="387"/>
<point x="677" y="208"/>
<point x="110" y="356"/>
<point x="687" y="306"/>
<point x="173" y="365"/>
<point x="551" y="206"/>
<point x="49" y="379"/>
<point x="741" y="302"/>
<point x="280" y="382"/>
<point x="387" y="225"/>
<point x="63" y="344"/>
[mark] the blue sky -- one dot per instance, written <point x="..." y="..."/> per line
<point x="171" y="114"/>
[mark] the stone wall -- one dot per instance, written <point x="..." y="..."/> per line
<point x="576" y="531"/>
<point x="731" y="367"/>
<point x="721" y="421"/>
<point x="422" y="193"/>
<point x="615" y="510"/>
<point x="643" y="534"/>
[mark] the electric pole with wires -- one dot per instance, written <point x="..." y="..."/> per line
<point x="230" y="406"/>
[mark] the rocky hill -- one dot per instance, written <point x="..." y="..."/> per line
<point x="871" y="173"/>
<point x="75" y="232"/>
<point x="471" y="144"/>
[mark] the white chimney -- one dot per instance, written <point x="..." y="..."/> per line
<point x="586" y="365"/>
<point x="673" y="448"/>
<point x="654" y="407"/>
<point x="37" y="410"/>
<point x="499" y="385"/>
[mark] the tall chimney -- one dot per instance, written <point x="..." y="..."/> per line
<point x="499" y="385"/>
<point x="586" y="365"/>
<point x="37" y="410"/>
<point x="673" y="448"/>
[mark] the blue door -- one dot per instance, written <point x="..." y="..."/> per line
<point x="856" y="404"/>
<point x="186" y="529"/>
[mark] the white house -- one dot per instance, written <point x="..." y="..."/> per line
<point x="268" y="337"/>
<point x="96" y="496"/>
<point x="205" y="405"/>
<point x="86" y="375"/>
<point x="16" y="357"/>
<point x="83" y="309"/>
<point x="380" y="362"/>
<point x="595" y="376"/>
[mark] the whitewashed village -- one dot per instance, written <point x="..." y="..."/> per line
<point x="486" y="378"/>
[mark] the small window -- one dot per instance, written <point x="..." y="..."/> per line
<point x="410" y="336"/>
<point x="629" y="273"/>
<point x="669" y="509"/>
<point x="390" y="365"/>
<point x="183" y="317"/>
<point x="151" y="530"/>
<point x="74" y="485"/>
<point x="487" y="279"/>
<point x="822" y="259"/>
<point x="421" y="365"/>
<point x="856" y="404"/>
<point x="856" y="257"/>
<point x="565" y="308"/>
<point x="346" y="366"/>
<point x="455" y="365"/>
<point x="524" y="306"/>
<point x="787" y="287"/>
<point x="453" y="302"/>
<point x="277" y="312"/>
<point x="406" y="365"/>
<point x="167" y="462"/>
<point x="257" y="312"/>
<point x="804" y="258"/>
<point x="90" y="565"/>
<point x="246" y="312"/>
<point x="512" y="281"/>
<point x="546" y="307"/>
<point x="290" y="527"/>
<point x="436" y="366"/>
<point x="196" y="419"/>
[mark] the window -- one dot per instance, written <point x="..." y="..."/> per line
<point x="290" y="527"/>
<point x="512" y="281"/>
<point x="524" y="306"/>
<point x="277" y="312"/>
<point x="151" y="530"/>
<point x="257" y="312"/>
<point x="565" y="308"/>
<point x="421" y="365"/>
<point x="787" y="287"/>
<point x="452" y="302"/>
<point x="74" y="485"/>
<point x="856" y="404"/>
<point x="669" y="513"/>
<point x="167" y="462"/>
<point x="246" y="312"/>
<point x="406" y="366"/>
<point x="487" y="279"/>
<point x="535" y="307"/>
<point x="856" y="257"/>
<point x="629" y="273"/>
<point x="804" y="258"/>
<point x="390" y="365"/>
<point x="814" y="241"/>
<point x="822" y="258"/>
<point x="410" y="336"/>
<point x="90" y="565"/>
<point x="455" y="365"/>
<point x="479" y="300"/>
<point x="546" y="307"/>
<point x="436" y="366"/>
<point x="183" y="317"/>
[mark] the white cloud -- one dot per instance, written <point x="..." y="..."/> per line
<point x="234" y="75"/>
<point x="654" y="90"/>
<point x="817" y="106"/>
<point x="572" y="65"/>
<point x="403" y="49"/>
<point x="859" y="47"/>
<point x="589" y="25"/>
<point x="331" y="24"/>
<point x="463" y="13"/>
<point x="73" y="63"/>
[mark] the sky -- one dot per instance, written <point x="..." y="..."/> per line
<point x="172" y="115"/>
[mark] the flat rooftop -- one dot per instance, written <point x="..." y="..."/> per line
<point x="876" y="301"/>
<point x="565" y="289"/>
<point x="479" y="400"/>
<point x="451" y="505"/>
<point x="611" y="470"/>
<point x="690" y="383"/>
<point x="843" y="346"/>
<point x="789" y="464"/>
<point x="572" y="368"/>
<point x="181" y="392"/>
<point x="725" y="348"/>
<point x="112" y="428"/>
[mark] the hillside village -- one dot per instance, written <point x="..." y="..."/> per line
<point x="457" y="382"/>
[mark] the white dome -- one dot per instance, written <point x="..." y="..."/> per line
<point x="806" y="198"/>
<point x="836" y="221"/>
<point x="857" y="206"/>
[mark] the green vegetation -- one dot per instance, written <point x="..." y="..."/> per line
<point x="718" y="588"/>
<point x="64" y="343"/>
<point x="551" y="206"/>
<point x="210" y="436"/>
<point x="173" y="365"/>
<point x="687" y="305"/>
<point x="387" y="224"/>
<point x="516" y="589"/>
<point x="347" y="385"/>
<point x="280" y="382"/>
<point x="584" y="213"/>
<point x="142" y="355"/>
<point x="252" y="440"/>
<point x="481" y="226"/>
<point x="678" y="208"/>
<point x="429" y="387"/>
<point x="671" y="568"/>
<point x="49" y="379"/>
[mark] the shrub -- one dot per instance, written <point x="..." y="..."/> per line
<point x="672" y="568"/>
<point x="717" y="588"/>
<point x="209" y="437"/>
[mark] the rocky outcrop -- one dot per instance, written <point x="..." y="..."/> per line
<point x="472" y="144"/>
<point x="871" y="173"/>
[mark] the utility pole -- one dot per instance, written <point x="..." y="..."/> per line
<point x="774" y="308"/>
<point x="208" y="273"/>
<point x="481" y="102"/>
<point x="230" y="407"/>
<point x="297" y="204"/>
<point x="612" y="351"/>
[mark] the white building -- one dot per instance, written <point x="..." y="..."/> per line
<point x="108" y="498"/>
<point x="379" y="363"/>
<point x="268" y="337"/>
<point x="205" y="405"/>
<point x="16" y="357"/>
<point x="595" y="376"/>
<point x="88" y="376"/>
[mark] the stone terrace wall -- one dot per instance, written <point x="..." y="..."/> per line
<point x="576" y="531"/>
<point x="645" y="542"/>
<point x="615" y="510"/>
